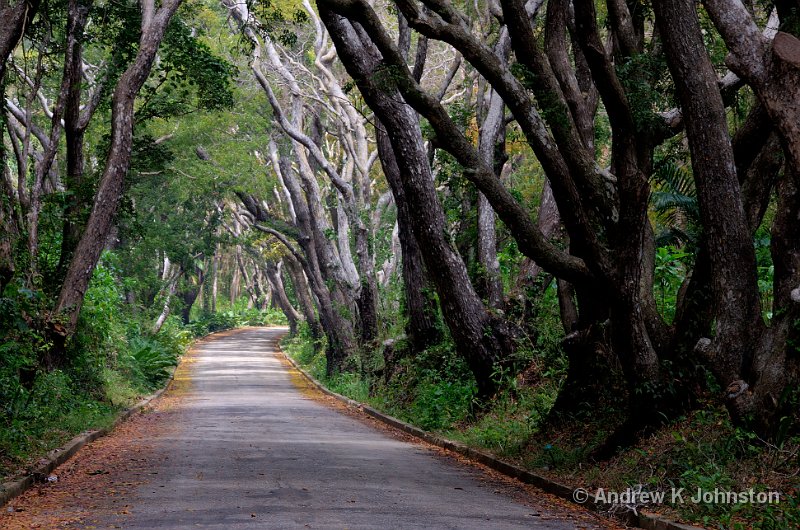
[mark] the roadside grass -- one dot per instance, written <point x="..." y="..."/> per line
<point x="60" y="404"/>
<point x="701" y="450"/>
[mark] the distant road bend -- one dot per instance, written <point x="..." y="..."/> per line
<point x="251" y="450"/>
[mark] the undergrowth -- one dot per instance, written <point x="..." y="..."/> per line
<point x="111" y="362"/>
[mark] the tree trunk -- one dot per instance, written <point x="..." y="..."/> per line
<point x="64" y="317"/>
<point x="236" y="280"/>
<point x="169" y="292"/>
<point x="729" y="243"/>
<point x="215" y="279"/>
<point x="422" y="330"/>
<point x="492" y="131"/>
<point x="481" y="339"/>
<point x="75" y="125"/>
<point x="334" y="305"/>
<point x="304" y="296"/>
<point x="69" y="90"/>
<point x="368" y="295"/>
<point x="280" y="298"/>
<point x="250" y="284"/>
<point x="7" y="237"/>
<point x="192" y="286"/>
<point x="15" y="19"/>
<point x="549" y="222"/>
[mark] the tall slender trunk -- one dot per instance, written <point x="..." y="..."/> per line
<point x="68" y="92"/>
<point x="215" y="279"/>
<point x="236" y="280"/>
<point x="75" y="124"/>
<point x="304" y="296"/>
<point x="325" y="279"/>
<point x="274" y="277"/>
<point x="492" y="130"/>
<point x="169" y="292"/>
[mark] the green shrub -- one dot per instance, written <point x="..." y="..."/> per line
<point x="439" y="403"/>
<point x="109" y="364"/>
<point x="152" y="359"/>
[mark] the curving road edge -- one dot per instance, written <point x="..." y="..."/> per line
<point x="643" y="520"/>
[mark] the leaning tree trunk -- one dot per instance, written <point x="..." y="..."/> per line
<point x="280" y="298"/>
<point x="15" y="19"/>
<point x="64" y="318"/>
<point x="330" y="299"/>
<point x="304" y="297"/>
<point x="482" y="340"/>
<point x="420" y="306"/>
<point x="169" y="292"/>
<point x="324" y="278"/>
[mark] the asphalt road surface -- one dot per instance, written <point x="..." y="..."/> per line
<point x="251" y="449"/>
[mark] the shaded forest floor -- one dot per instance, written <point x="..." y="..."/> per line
<point x="701" y="450"/>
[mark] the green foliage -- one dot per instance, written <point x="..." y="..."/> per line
<point x="766" y="270"/>
<point x="512" y="419"/>
<point x="674" y="200"/>
<point x="279" y="20"/>
<point x="547" y="351"/>
<point x="647" y="87"/>
<point x="236" y="318"/>
<point x="110" y="363"/>
<point x="151" y="358"/>
<point x="190" y="76"/>
<point x="671" y="265"/>
<point x="439" y="403"/>
<point x="702" y="459"/>
<point x="45" y="414"/>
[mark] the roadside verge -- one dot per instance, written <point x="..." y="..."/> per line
<point x="21" y="483"/>
<point x="639" y="519"/>
<point x="44" y="467"/>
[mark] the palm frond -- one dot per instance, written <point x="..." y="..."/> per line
<point x="670" y="177"/>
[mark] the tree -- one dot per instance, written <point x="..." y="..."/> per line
<point x="482" y="339"/>
<point x="604" y="209"/>
<point x="110" y="187"/>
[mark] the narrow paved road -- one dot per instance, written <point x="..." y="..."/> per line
<point x="248" y="449"/>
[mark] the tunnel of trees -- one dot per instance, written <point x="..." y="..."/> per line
<point x="602" y="193"/>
